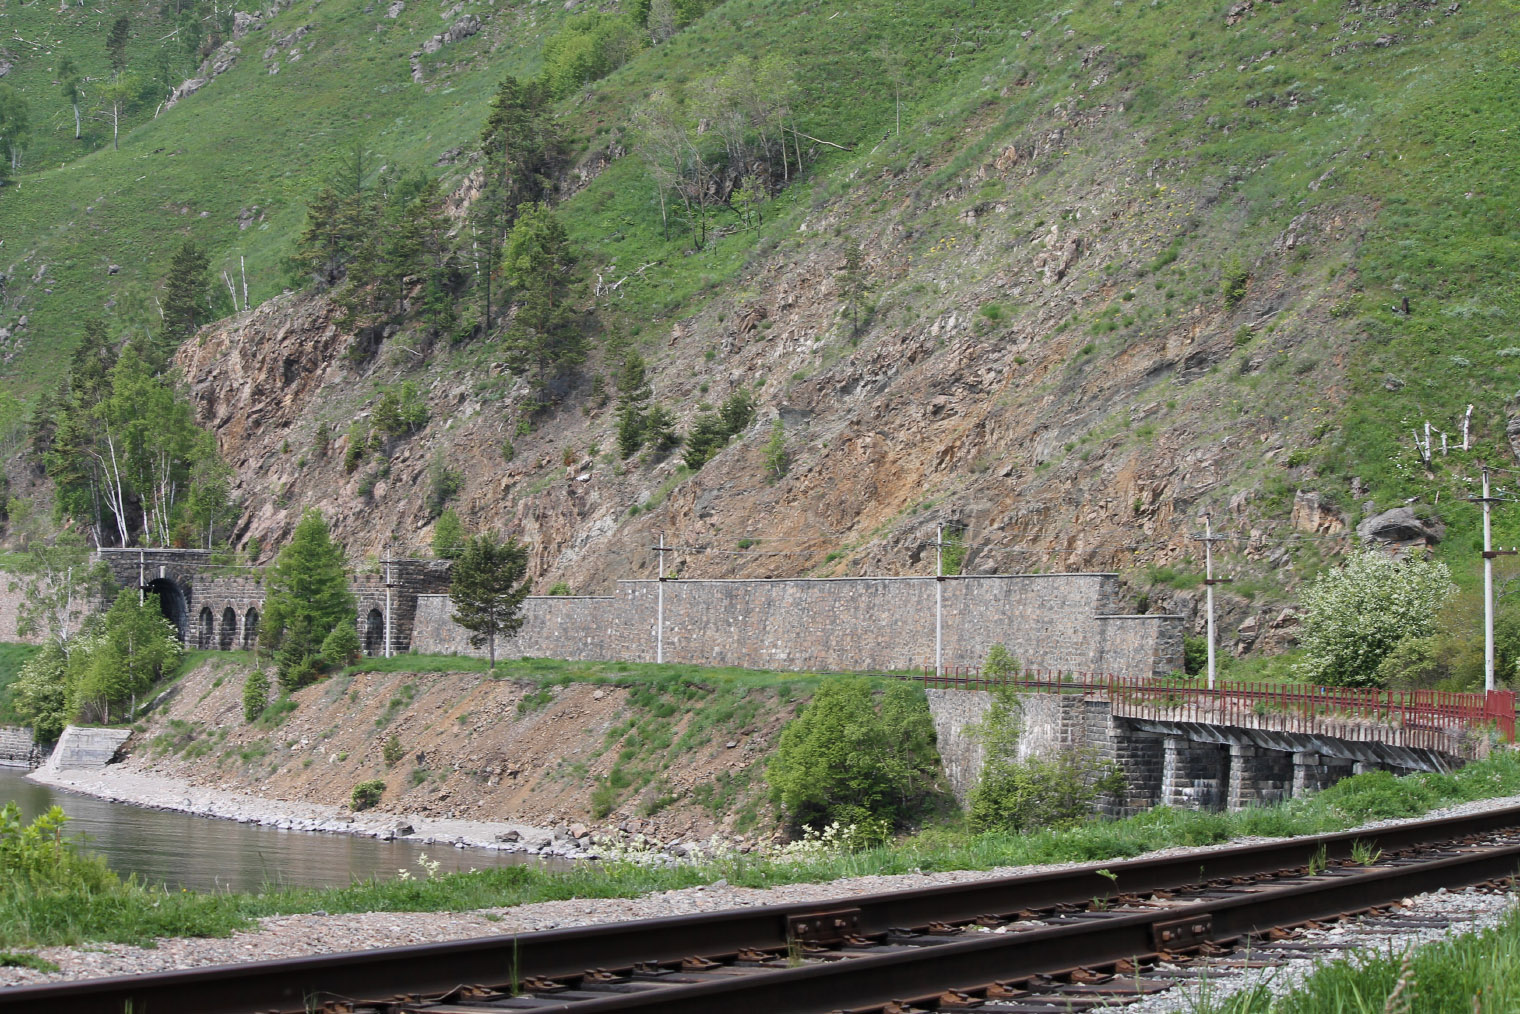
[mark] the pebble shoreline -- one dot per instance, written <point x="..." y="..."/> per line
<point x="292" y="936"/>
<point x="157" y="792"/>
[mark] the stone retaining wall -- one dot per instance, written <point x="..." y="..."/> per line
<point x="16" y="747"/>
<point x="1049" y="621"/>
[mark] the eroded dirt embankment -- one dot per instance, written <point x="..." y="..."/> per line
<point x="463" y="747"/>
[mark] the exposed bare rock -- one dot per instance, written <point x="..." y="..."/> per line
<point x="1400" y="528"/>
<point x="1310" y="514"/>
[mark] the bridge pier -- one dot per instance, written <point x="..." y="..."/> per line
<point x="1194" y="775"/>
<point x="1258" y="776"/>
<point x="1313" y="772"/>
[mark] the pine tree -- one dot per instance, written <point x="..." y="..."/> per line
<point x="116" y="43"/>
<point x="522" y="151"/>
<point x="185" y="291"/>
<point x="306" y="596"/>
<point x="633" y="392"/>
<point x="852" y="285"/>
<point x="544" y="338"/>
<point x="488" y="589"/>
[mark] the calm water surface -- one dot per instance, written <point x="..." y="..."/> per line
<point x="203" y="854"/>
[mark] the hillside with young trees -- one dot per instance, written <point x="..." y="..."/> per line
<point x="792" y="283"/>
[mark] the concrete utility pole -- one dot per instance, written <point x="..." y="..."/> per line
<point x="388" y="586"/>
<point x="1209" y="581"/>
<point x="659" y="622"/>
<point x="1489" y="552"/>
<point x="939" y="600"/>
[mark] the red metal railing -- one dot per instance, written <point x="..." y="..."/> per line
<point x="1430" y="719"/>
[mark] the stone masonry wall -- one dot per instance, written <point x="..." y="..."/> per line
<point x="1048" y="621"/>
<point x="956" y="714"/>
<point x="16" y="747"/>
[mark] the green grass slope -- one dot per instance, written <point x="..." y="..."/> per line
<point x="1218" y="133"/>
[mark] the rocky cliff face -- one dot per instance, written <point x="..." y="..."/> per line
<point x="1059" y="371"/>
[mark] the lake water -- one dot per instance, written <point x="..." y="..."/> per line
<point x="205" y="854"/>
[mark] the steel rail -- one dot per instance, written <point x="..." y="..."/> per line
<point x="289" y="984"/>
<point x="927" y="972"/>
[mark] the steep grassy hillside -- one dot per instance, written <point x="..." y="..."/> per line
<point x="1125" y="262"/>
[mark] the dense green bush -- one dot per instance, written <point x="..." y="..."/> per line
<point x="1195" y="654"/>
<point x="1000" y="662"/>
<point x="35" y="858"/>
<point x="341" y="647"/>
<point x="449" y="535"/>
<point x="847" y="757"/>
<point x="589" y="47"/>
<point x="367" y="794"/>
<point x="1024" y="795"/>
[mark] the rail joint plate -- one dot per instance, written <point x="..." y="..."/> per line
<point x="1174" y="934"/>
<point x="824" y="927"/>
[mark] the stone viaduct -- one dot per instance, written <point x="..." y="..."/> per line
<point x="218" y="606"/>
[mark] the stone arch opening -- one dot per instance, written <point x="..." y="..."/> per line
<point x="374" y="633"/>
<point x="171" y="602"/>
<point x="206" y="630"/>
<point x="227" y="636"/>
<point x="250" y="628"/>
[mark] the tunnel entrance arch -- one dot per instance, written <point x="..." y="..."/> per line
<point x="374" y="633"/>
<point x="171" y="602"/>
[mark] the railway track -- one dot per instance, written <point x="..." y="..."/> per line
<point x="1066" y="940"/>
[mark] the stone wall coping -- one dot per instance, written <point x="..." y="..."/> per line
<point x="1138" y="616"/>
<point x="825" y="580"/>
<point x="539" y="598"/>
<point x="151" y="550"/>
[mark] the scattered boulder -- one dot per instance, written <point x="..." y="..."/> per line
<point x="509" y="836"/>
<point x="1512" y="431"/>
<point x="1400" y="527"/>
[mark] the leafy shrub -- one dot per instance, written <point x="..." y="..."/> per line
<point x="1234" y="283"/>
<point x="401" y="412"/>
<point x="1000" y="662"/>
<point x="36" y="858"/>
<point x="367" y="794"/>
<point x="449" y="535"/>
<point x="1021" y="796"/>
<point x="560" y="588"/>
<point x="392" y="751"/>
<point x="776" y="461"/>
<point x="1355" y="616"/>
<point x="255" y="695"/>
<point x="1195" y="654"/>
<point x="588" y="48"/>
<point x="845" y="758"/>
<point x="444" y="483"/>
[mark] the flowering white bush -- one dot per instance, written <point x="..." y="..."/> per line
<point x="1353" y="617"/>
<point x="829" y="842"/>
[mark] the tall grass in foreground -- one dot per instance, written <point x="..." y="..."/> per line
<point x="34" y="914"/>
<point x="1475" y="973"/>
